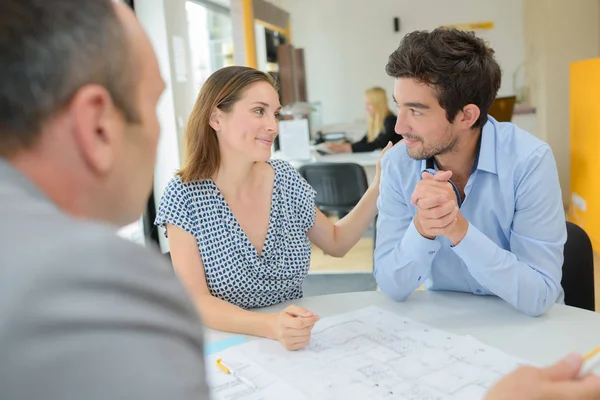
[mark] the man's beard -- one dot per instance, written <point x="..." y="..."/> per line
<point x="426" y="152"/>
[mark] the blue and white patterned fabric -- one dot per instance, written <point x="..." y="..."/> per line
<point x="235" y="272"/>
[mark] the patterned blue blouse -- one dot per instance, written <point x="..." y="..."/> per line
<point x="235" y="272"/>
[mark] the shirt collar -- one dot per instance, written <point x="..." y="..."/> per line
<point x="487" y="152"/>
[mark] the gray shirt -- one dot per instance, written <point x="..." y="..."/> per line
<point x="85" y="314"/>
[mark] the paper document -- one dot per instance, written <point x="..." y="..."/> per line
<point x="366" y="354"/>
<point x="294" y="139"/>
<point x="229" y="387"/>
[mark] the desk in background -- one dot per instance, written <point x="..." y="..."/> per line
<point x="367" y="160"/>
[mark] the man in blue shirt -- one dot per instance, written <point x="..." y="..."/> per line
<point x="466" y="203"/>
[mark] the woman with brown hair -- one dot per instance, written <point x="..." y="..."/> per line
<point x="239" y="224"/>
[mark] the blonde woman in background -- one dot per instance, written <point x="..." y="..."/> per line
<point x="381" y="126"/>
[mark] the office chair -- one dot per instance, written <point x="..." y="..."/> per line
<point x="502" y="108"/>
<point x="339" y="186"/>
<point x="578" y="269"/>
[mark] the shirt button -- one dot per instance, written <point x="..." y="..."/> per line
<point x="432" y="252"/>
<point x="478" y="291"/>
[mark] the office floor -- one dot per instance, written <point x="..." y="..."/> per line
<point x="351" y="273"/>
<point x="359" y="259"/>
<point x="359" y="262"/>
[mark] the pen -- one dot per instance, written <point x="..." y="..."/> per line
<point x="590" y="362"/>
<point x="228" y="370"/>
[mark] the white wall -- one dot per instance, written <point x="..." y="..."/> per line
<point x="347" y="42"/>
<point x="154" y="16"/>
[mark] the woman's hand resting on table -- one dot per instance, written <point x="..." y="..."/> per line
<point x="293" y="326"/>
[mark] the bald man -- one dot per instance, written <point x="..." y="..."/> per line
<point x="84" y="314"/>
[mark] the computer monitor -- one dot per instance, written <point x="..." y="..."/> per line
<point x="502" y="108"/>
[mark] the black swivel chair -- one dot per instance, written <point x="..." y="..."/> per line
<point x="578" y="269"/>
<point x="339" y="186"/>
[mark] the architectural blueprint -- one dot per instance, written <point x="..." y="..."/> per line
<point x="370" y="353"/>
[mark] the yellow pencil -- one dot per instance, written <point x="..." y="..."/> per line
<point x="592" y="353"/>
<point x="591" y="360"/>
<point x="228" y="371"/>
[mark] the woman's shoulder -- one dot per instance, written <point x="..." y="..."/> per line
<point x="282" y="167"/>
<point x="287" y="177"/>
<point x="193" y="189"/>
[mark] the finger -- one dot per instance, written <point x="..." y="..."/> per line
<point x="431" y="183"/>
<point x="440" y="223"/>
<point x="587" y="388"/>
<point x="427" y="203"/>
<point x="298" y="333"/>
<point x="297" y="345"/>
<point x="442" y="176"/>
<point x="427" y="189"/>
<point x="385" y="149"/>
<point x="567" y="368"/>
<point x="296" y="311"/>
<point x="435" y="196"/>
<point x="438" y="227"/>
<point x="298" y="322"/>
<point x="439" y="176"/>
<point x="438" y="212"/>
<point x="296" y="341"/>
<point x="427" y="176"/>
<point x="431" y="188"/>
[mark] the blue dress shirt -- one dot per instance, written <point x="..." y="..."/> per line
<point x="514" y="243"/>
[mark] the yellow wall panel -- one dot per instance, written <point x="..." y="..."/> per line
<point x="585" y="150"/>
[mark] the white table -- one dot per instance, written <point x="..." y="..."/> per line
<point x="540" y="340"/>
<point x="367" y="160"/>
